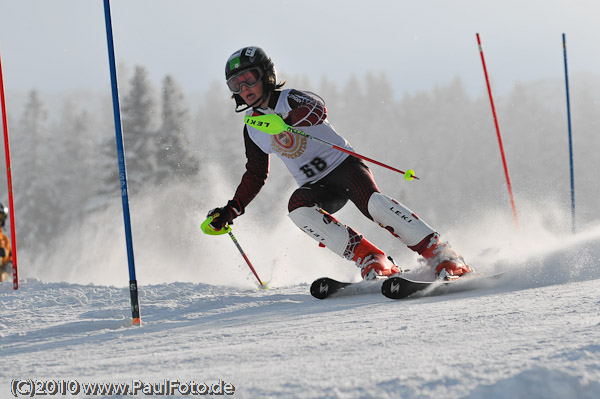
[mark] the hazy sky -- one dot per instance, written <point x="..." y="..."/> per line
<point x="59" y="45"/>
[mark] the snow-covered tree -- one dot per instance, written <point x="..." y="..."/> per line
<point x="37" y="201"/>
<point x="174" y="157"/>
<point x="138" y="114"/>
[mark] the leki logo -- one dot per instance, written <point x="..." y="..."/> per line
<point x="395" y="288"/>
<point x="254" y="122"/>
<point x="402" y="215"/>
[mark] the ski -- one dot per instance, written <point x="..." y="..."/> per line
<point x="326" y="287"/>
<point x="400" y="287"/>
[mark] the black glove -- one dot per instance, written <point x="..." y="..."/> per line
<point x="2" y="252"/>
<point x="225" y="215"/>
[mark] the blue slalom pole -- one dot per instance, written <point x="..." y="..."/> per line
<point x="570" y="135"/>
<point x="135" y="307"/>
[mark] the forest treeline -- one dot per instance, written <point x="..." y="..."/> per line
<point x="65" y="166"/>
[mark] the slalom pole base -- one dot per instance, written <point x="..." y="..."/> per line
<point x="135" y="305"/>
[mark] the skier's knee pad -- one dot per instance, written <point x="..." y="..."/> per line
<point x="322" y="227"/>
<point x="398" y="219"/>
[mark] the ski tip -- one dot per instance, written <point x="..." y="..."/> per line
<point x="320" y="288"/>
<point x="324" y="287"/>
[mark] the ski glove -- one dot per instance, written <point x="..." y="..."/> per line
<point x="225" y="215"/>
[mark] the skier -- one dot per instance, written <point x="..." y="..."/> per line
<point x="5" y="249"/>
<point x="327" y="178"/>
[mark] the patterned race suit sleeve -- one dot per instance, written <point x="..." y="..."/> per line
<point x="257" y="171"/>
<point x="306" y="110"/>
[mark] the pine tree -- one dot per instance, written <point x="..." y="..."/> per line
<point x="81" y="175"/>
<point x="139" y="141"/>
<point x="37" y="201"/>
<point x="173" y="156"/>
<point x="33" y="126"/>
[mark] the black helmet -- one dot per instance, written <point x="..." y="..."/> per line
<point x="3" y="214"/>
<point x="248" y="58"/>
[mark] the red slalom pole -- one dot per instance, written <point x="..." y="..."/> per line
<point x="487" y="81"/>
<point x="11" y="206"/>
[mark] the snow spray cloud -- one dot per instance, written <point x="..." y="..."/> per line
<point x="169" y="245"/>
<point x="542" y="252"/>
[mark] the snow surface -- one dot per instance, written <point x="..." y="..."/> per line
<point x="537" y="335"/>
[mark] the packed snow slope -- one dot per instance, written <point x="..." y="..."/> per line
<point x="535" y="335"/>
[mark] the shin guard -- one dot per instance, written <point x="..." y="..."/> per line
<point x="322" y="227"/>
<point x="398" y="219"/>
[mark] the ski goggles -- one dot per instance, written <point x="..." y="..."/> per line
<point x="249" y="77"/>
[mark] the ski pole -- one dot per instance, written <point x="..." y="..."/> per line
<point x="263" y="285"/>
<point x="273" y="124"/>
<point x="207" y="229"/>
